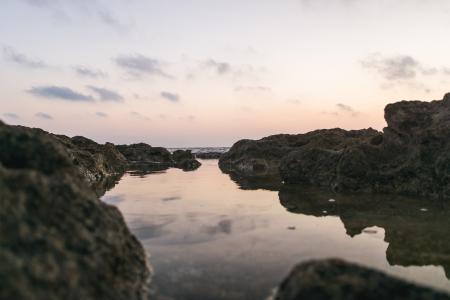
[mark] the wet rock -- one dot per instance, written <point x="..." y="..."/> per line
<point x="335" y="279"/>
<point x="144" y="154"/>
<point x="411" y="156"/>
<point x="57" y="239"/>
<point x="262" y="158"/>
<point x="185" y="160"/>
<point x="208" y="155"/>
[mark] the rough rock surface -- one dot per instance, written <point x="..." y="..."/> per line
<point x="145" y="157"/>
<point x="208" y="155"/>
<point x="57" y="239"/>
<point x="417" y="230"/>
<point x="411" y="156"/>
<point x="335" y="279"/>
<point x="184" y="159"/>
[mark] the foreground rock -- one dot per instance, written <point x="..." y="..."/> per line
<point x="147" y="158"/>
<point x="57" y="239"/>
<point x="338" y="280"/>
<point x="411" y="156"/>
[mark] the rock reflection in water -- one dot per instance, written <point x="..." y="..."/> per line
<point x="417" y="230"/>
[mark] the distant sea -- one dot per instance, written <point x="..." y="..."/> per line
<point x="202" y="149"/>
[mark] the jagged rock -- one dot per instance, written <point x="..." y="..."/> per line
<point x="262" y="158"/>
<point x="208" y="155"/>
<point x="144" y="154"/>
<point x="335" y="279"/>
<point x="411" y="156"/>
<point x="57" y="239"/>
<point x="184" y="159"/>
<point x="415" y="229"/>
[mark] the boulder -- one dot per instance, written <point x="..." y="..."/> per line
<point x="57" y="239"/>
<point x="335" y="279"/>
<point x="185" y="160"/>
<point x="144" y="154"/>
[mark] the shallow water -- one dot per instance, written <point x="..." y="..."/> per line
<point x="210" y="239"/>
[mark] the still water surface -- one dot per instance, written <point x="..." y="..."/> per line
<point x="210" y="239"/>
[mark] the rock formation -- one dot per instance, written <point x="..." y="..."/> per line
<point x="335" y="279"/>
<point x="208" y="155"/>
<point x="184" y="159"/>
<point x="57" y="239"/>
<point x="411" y="156"/>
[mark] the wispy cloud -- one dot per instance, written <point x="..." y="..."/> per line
<point x="401" y="67"/>
<point x="219" y="67"/>
<point x="60" y="93"/>
<point x="170" y="96"/>
<point x="347" y="109"/>
<point x="16" y="57"/>
<point x="106" y="94"/>
<point x="43" y="115"/>
<point x="139" y="116"/>
<point x="139" y="65"/>
<point x="101" y="114"/>
<point x="11" y="115"/>
<point x="89" y="72"/>
<point x="260" y="88"/>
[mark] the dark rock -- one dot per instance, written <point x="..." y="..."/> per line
<point x="417" y="230"/>
<point x="57" y="239"/>
<point x="144" y="154"/>
<point x="184" y="159"/>
<point x="335" y="279"/>
<point x="411" y="156"/>
<point x="208" y="155"/>
<point x="262" y="158"/>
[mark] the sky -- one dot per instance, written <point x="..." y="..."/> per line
<point x="187" y="73"/>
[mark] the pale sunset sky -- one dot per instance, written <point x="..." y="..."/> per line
<point x="208" y="72"/>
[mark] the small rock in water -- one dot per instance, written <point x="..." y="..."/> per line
<point x="331" y="200"/>
<point x="370" y="231"/>
<point x="291" y="227"/>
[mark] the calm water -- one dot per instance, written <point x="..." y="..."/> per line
<point x="210" y="239"/>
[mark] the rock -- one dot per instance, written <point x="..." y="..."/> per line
<point x="411" y="156"/>
<point x="144" y="154"/>
<point x="143" y="157"/>
<point x="335" y="279"/>
<point x="208" y="155"/>
<point x="57" y="239"/>
<point x="184" y="159"/>
<point x="415" y="237"/>
<point x="262" y="158"/>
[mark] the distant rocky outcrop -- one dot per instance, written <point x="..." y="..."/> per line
<point x="57" y="239"/>
<point x="208" y="155"/>
<point x="185" y="160"/>
<point x="411" y="156"/>
<point x="145" y="157"/>
<point x="335" y="279"/>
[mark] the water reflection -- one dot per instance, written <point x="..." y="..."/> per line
<point x="210" y="239"/>
<point x="417" y="230"/>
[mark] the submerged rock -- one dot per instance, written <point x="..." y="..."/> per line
<point x="335" y="279"/>
<point x="184" y="159"/>
<point x="411" y="156"/>
<point x="57" y="239"/>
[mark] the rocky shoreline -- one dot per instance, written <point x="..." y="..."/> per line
<point x="411" y="156"/>
<point x="57" y="239"/>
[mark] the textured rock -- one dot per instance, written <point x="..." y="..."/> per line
<point x="184" y="159"/>
<point x="335" y="280"/>
<point x="57" y="239"/>
<point x="411" y="156"/>
<point x="208" y="155"/>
